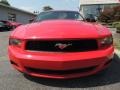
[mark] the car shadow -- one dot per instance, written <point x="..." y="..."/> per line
<point x="109" y="76"/>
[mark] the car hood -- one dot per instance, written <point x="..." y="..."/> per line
<point x="60" y="29"/>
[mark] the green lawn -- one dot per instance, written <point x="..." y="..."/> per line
<point x="117" y="41"/>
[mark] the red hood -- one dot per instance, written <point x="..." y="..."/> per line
<point x="60" y="29"/>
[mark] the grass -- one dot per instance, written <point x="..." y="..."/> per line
<point x="117" y="46"/>
<point x="116" y="25"/>
<point x="117" y="42"/>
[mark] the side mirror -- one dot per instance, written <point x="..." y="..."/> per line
<point x="31" y="20"/>
<point x="90" y="19"/>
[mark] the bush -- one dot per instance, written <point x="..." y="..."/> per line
<point x="110" y="14"/>
<point x="117" y="25"/>
<point x="114" y="24"/>
<point x="106" y="16"/>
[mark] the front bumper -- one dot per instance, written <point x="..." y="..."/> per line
<point x="87" y="62"/>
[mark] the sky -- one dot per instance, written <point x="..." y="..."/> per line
<point x="37" y="5"/>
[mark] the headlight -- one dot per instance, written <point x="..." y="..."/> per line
<point x="15" y="42"/>
<point x="106" y="41"/>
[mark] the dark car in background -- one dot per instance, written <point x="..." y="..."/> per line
<point x="9" y="25"/>
<point x="3" y="26"/>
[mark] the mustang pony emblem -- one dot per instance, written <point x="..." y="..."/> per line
<point x="62" y="46"/>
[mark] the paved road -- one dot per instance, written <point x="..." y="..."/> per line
<point x="11" y="79"/>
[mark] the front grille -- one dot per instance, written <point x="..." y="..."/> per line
<point x="60" y="72"/>
<point x="62" y="46"/>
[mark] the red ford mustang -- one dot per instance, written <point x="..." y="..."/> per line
<point x="61" y="45"/>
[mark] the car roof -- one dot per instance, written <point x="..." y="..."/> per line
<point x="60" y="11"/>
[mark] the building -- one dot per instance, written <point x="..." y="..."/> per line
<point x="7" y="12"/>
<point x="94" y="7"/>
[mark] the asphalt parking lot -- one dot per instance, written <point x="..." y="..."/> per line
<point x="11" y="79"/>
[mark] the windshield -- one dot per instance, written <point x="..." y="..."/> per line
<point x="51" y="15"/>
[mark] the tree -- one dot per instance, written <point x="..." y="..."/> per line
<point x="5" y="2"/>
<point x="117" y="13"/>
<point x="107" y="15"/>
<point x="47" y="8"/>
<point x="110" y="14"/>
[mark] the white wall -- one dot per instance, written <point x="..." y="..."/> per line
<point x="20" y="16"/>
<point x="85" y="2"/>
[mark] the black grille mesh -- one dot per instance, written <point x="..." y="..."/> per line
<point x="61" y="72"/>
<point x="55" y="46"/>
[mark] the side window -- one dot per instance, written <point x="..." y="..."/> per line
<point x="11" y="17"/>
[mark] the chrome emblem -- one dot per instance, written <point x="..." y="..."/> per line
<point x="62" y="46"/>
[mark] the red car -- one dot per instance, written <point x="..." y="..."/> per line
<point x="60" y="45"/>
<point x="10" y="24"/>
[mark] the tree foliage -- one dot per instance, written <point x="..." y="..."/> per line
<point x="47" y="8"/>
<point x="110" y="14"/>
<point x="5" y="2"/>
